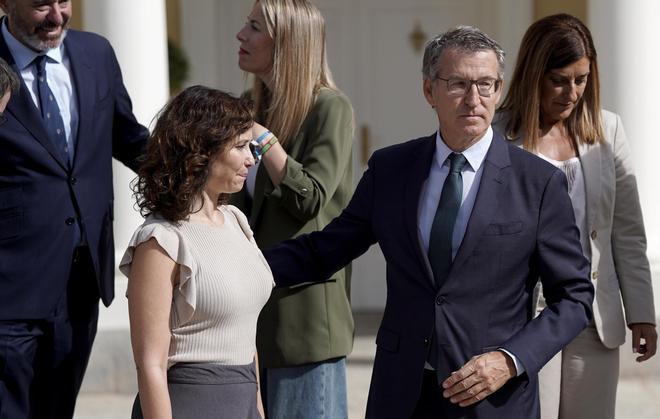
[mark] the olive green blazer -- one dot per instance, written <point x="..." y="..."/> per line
<point x="310" y="322"/>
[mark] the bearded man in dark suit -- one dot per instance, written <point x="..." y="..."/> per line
<point x="71" y="115"/>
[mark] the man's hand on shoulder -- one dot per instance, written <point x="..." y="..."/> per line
<point x="482" y="376"/>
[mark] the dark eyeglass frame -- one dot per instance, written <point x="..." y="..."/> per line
<point x="454" y="90"/>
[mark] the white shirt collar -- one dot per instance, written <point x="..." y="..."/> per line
<point x="24" y="56"/>
<point x="475" y="154"/>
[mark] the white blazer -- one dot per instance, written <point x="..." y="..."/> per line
<point x="620" y="269"/>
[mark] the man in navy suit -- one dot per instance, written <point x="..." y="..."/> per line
<point x="72" y="114"/>
<point x="467" y="224"/>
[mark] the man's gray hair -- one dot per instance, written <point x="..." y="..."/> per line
<point x="463" y="39"/>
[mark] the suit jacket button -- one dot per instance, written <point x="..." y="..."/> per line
<point x="73" y="180"/>
<point x="426" y="341"/>
<point x="594" y="234"/>
<point x="303" y="191"/>
<point x="594" y="275"/>
<point x="69" y="221"/>
<point x="440" y="300"/>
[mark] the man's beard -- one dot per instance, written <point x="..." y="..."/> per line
<point x="40" y="45"/>
<point x="33" y="40"/>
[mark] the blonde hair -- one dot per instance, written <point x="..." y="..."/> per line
<point x="300" y="67"/>
<point x="550" y="43"/>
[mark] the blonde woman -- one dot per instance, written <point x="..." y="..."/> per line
<point x="553" y="109"/>
<point x="303" y="181"/>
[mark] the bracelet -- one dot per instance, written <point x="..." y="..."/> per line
<point x="268" y="145"/>
<point x="262" y="137"/>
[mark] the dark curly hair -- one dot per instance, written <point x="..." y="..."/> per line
<point x="8" y="79"/>
<point x="191" y="130"/>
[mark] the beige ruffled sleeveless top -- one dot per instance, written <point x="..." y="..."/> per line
<point x="224" y="282"/>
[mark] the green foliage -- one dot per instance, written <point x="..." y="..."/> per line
<point x="178" y="66"/>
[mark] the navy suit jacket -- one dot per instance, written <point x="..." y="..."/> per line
<point x="40" y="196"/>
<point x="522" y="228"/>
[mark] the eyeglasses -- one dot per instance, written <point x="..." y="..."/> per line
<point x="459" y="87"/>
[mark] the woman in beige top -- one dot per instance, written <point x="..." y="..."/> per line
<point x="197" y="280"/>
<point x="553" y="109"/>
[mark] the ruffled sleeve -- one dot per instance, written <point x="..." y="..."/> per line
<point x="173" y="243"/>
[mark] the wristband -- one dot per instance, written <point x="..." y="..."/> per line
<point x="257" y="147"/>
<point x="262" y="137"/>
<point x="267" y="147"/>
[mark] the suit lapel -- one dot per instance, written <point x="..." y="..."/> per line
<point x="591" y="168"/>
<point x="590" y="159"/>
<point x="420" y="169"/>
<point x="22" y="107"/>
<point x="493" y="184"/>
<point x="83" y="81"/>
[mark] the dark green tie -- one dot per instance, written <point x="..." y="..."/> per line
<point x="442" y="228"/>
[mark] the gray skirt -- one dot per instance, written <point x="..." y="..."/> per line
<point x="213" y="391"/>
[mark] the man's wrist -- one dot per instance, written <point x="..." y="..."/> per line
<point x="515" y="367"/>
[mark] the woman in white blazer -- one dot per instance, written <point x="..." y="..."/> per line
<point x="553" y="110"/>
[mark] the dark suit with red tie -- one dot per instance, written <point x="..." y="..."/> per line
<point x="50" y="278"/>
<point x="521" y="228"/>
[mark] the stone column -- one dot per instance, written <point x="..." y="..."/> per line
<point x="137" y="31"/>
<point x="625" y="34"/>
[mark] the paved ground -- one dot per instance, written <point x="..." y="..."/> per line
<point x="638" y="400"/>
<point x="638" y="395"/>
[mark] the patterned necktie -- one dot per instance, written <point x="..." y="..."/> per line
<point x="442" y="229"/>
<point x="50" y="112"/>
